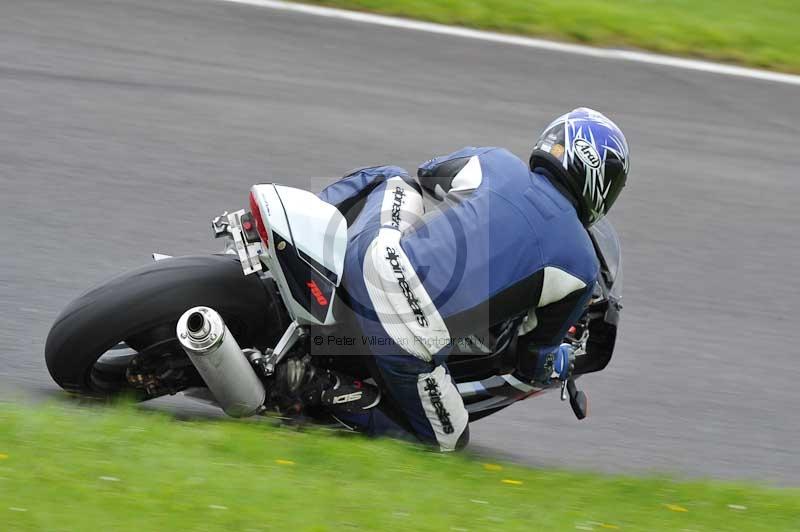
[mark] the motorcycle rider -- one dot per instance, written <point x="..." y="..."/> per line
<point x="503" y="262"/>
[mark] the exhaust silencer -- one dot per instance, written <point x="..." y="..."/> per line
<point x="214" y="352"/>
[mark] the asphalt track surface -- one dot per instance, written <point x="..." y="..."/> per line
<point x="125" y="126"/>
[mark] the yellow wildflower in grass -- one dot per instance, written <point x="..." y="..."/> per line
<point x="676" y="508"/>
<point x="284" y="462"/>
<point x="511" y="481"/>
<point x="3" y="456"/>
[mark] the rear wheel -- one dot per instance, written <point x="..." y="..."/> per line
<point x="127" y="325"/>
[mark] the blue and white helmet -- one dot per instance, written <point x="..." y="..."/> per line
<point x="586" y="154"/>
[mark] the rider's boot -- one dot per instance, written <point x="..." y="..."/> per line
<point x="299" y="385"/>
<point x="346" y="395"/>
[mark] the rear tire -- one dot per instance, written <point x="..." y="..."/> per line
<point x="144" y="305"/>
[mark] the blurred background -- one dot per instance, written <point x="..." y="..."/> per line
<point x="125" y="126"/>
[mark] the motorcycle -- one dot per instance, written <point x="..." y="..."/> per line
<point x="218" y="327"/>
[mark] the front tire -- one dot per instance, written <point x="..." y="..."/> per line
<point x="142" y="306"/>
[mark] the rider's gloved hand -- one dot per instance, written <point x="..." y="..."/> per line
<point x="553" y="365"/>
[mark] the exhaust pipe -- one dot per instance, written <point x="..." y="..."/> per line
<point x="214" y="352"/>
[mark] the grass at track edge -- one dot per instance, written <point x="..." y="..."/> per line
<point x="120" y="468"/>
<point x="761" y="34"/>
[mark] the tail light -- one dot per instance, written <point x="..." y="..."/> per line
<point x="262" y="230"/>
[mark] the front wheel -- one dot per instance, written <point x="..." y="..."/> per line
<point x="130" y="321"/>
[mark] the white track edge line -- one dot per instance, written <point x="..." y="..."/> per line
<point x="528" y="42"/>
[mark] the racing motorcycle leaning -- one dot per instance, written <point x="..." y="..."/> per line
<point x="220" y="327"/>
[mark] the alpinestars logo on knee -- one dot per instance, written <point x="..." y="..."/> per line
<point x="397" y="203"/>
<point x="413" y="302"/>
<point x="432" y="387"/>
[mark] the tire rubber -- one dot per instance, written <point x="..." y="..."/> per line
<point x="156" y="295"/>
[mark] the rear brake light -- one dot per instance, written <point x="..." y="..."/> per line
<point x="262" y="230"/>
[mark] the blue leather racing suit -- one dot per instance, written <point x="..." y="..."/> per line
<point x="504" y="251"/>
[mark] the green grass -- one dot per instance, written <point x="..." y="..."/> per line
<point x="764" y="33"/>
<point x="121" y="469"/>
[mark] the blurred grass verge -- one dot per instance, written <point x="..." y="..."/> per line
<point x="123" y="469"/>
<point x="763" y="33"/>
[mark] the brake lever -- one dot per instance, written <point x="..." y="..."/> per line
<point x="577" y="398"/>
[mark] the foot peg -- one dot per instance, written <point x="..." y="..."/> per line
<point x="577" y="399"/>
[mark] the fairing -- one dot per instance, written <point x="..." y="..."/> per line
<point x="307" y="244"/>
<point x="609" y="252"/>
<point x="603" y="315"/>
